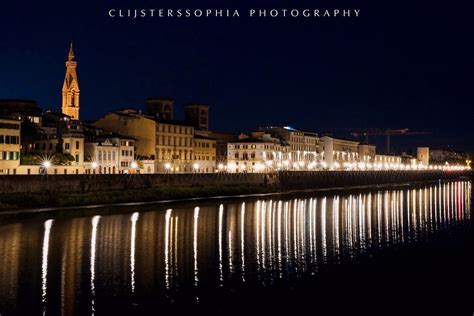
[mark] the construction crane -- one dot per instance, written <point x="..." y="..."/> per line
<point x="385" y="132"/>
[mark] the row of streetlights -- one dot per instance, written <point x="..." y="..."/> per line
<point x="270" y="166"/>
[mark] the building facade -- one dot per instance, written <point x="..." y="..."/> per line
<point x="9" y="146"/>
<point x="132" y="123"/>
<point x="423" y="155"/>
<point x="111" y="153"/>
<point x="366" y="153"/>
<point x="204" y="154"/>
<point x="335" y="152"/>
<point x="174" y="147"/>
<point x="104" y="157"/>
<point x="60" y="135"/>
<point x="262" y="154"/>
<point x="303" y="146"/>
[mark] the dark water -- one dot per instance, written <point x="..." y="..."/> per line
<point x="375" y="250"/>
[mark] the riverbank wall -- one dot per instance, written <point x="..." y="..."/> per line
<point x="276" y="181"/>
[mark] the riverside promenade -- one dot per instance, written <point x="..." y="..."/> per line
<point x="277" y="181"/>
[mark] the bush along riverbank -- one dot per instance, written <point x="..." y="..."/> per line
<point x="18" y="201"/>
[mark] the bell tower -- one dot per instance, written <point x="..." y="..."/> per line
<point x="70" y="103"/>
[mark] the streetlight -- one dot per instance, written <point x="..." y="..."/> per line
<point x="195" y="166"/>
<point x="134" y="165"/>
<point x="46" y="164"/>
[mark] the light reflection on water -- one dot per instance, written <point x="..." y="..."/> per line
<point x="239" y="241"/>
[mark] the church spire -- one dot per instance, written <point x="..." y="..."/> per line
<point x="71" y="53"/>
<point x="70" y="91"/>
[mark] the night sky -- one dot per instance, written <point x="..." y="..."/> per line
<point x="399" y="64"/>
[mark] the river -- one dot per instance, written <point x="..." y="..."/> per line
<point x="241" y="255"/>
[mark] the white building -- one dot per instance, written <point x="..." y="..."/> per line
<point x="262" y="154"/>
<point x="103" y="156"/>
<point x="336" y="152"/>
<point x="303" y="146"/>
<point x="112" y="153"/>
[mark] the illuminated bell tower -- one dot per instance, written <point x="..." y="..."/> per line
<point x="70" y="105"/>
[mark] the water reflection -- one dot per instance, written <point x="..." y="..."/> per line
<point x="95" y="223"/>
<point x="166" y="252"/>
<point x="134" y="220"/>
<point x="44" y="263"/>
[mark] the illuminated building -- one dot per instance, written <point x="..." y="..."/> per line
<point x="169" y="143"/>
<point x="366" y="152"/>
<point x="303" y="145"/>
<point x="174" y="146"/>
<point x="337" y="151"/>
<point x="132" y="123"/>
<point x="70" y="91"/>
<point x="387" y="159"/>
<point x="204" y="154"/>
<point x="110" y="153"/>
<point x="105" y="155"/>
<point x="257" y="154"/>
<point x="9" y="146"/>
<point x="59" y="134"/>
<point x="423" y="155"/>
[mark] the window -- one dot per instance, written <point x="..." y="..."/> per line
<point x="77" y="144"/>
<point x="66" y="146"/>
<point x="12" y="155"/>
<point x="77" y="158"/>
<point x="9" y="126"/>
<point x="2" y="139"/>
<point x="236" y="155"/>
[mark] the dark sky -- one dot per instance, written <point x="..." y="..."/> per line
<point x="401" y="64"/>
